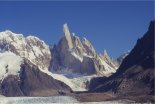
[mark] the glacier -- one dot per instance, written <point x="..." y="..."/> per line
<point x="54" y="100"/>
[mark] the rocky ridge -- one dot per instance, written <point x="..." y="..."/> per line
<point x="135" y="76"/>
<point x="29" y="47"/>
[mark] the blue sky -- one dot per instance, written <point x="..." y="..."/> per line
<point x="114" y="25"/>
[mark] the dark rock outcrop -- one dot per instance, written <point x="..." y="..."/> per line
<point x="136" y="73"/>
<point x="11" y="86"/>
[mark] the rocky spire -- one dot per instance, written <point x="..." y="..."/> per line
<point x="105" y="53"/>
<point x="68" y="36"/>
<point x="88" y="46"/>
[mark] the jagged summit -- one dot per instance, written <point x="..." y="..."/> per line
<point x="77" y="55"/>
<point x="67" y="36"/>
<point x="66" y="29"/>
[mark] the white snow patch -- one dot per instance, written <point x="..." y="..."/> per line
<point x="37" y="51"/>
<point x="9" y="64"/>
<point x="82" y="81"/>
<point x="76" y="56"/>
<point x="84" y="54"/>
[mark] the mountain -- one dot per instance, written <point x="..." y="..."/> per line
<point x="29" y="47"/>
<point x="135" y="76"/>
<point x="78" y="56"/>
<point x="28" y="65"/>
<point x="20" y="77"/>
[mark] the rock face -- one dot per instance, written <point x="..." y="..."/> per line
<point x="79" y="57"/>
<point x="30" y="47"/>
<point x="67" y="38"/>
<point x="32" y="82"/>
<point x="22" y="60"/>
<point x="135" y="76"/>
<point x="88" y="47"/>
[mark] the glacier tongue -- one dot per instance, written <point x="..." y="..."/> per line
<point x="69" y="82"/>
<point x="76" y="81"/>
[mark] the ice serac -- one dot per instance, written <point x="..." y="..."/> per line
<point x="29" y="47"/>
<point x="78" y="57"/>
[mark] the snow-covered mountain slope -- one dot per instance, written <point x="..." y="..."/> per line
<point x="76" y="60"/>
<point x="20" y="77"/>
<point x="15" y="47"/>
<point x="9" y="64"/>
<point x="79" y="56"/>
<point x="29" y="47"/>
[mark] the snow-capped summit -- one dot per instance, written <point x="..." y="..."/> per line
<point x="9" y="32"/>
<point x="29" y="47"/>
